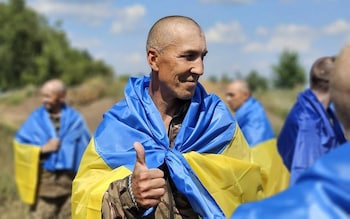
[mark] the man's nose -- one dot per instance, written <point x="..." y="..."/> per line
<point x="198" y="67"/>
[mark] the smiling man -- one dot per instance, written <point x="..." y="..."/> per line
<point x="157" y="153"/>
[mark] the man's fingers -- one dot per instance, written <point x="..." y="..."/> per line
<point x="148" y="203"/>
<point x="151" y="198"/>
<point x="140" y="153"/>
<point x="155" y="173"/>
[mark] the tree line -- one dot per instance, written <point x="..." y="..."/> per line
<point x="32" y="51"/>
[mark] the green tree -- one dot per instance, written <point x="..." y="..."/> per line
<point x="288" y="72"/>
<point x="256" y="82"/>
<point x="31" y="51"/>
<point x="19" y="42"/>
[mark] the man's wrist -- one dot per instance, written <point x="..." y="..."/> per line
<point x="131" y="193"/>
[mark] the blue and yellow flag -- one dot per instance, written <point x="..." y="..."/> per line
<point x="209" y="143"/>
<point x="34" y="133"/>
<point x="253" y="121"/>
<point x="309" y="132"/>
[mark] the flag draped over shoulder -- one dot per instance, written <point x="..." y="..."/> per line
<point x="253" y="121"/>
<point x="34" y="133"/>
<point x="308" y="134"/>
<point x="208" y="128"/>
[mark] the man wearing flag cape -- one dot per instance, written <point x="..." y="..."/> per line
<point x="311" y="128"/>
<point x="168" y="149"/>
<point x="323" y="190"/>
<point x="48" y="148"/>
<point x="249" y="113"/>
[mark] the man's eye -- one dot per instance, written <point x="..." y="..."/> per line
<point x="190" y="57"/>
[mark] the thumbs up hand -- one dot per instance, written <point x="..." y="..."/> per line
<point x="148" y="185"/>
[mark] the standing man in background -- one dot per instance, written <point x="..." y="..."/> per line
<point x="249" y="112"/>
<point x="48" y="148"/>
<point x="311" y="128"/>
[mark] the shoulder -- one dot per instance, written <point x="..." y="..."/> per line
<point x="37" y="113"/>
<point x="71" y="112"/>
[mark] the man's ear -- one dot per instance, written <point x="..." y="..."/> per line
<point x="246" y="95"/>
<point x="152" y="58"/>
<point x="63" y="98"/>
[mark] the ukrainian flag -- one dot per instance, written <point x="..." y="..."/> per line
<point x="209" y="143"/>
<point x="33" y="134"/>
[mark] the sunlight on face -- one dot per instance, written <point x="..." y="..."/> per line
<point x="181" y="64"/>
<point x="235" y="97"/>
<point x="51" y="98"/>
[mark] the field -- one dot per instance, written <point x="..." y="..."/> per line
<point x="92" y="99"/>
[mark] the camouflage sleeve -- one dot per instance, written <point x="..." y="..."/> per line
<point x="117" y="202"/>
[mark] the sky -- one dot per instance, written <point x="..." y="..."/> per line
<point x="242" y="35"/>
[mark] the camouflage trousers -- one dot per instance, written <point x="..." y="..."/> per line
<point x="51" y="208"/>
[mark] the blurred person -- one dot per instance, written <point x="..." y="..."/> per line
<point x="249" y="112"/>
<point x="323" y="190"/>
<point x="48" y="148"/>
<point x="168" y="149"/>
<point x="311" y="128"/>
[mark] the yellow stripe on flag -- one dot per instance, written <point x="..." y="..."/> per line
<point x="230" y="181"/>
<point x="26" y="170"/>
<point x="93" y="180"/>
<point x="274" y="173"/>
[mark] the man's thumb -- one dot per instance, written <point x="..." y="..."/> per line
<point x="140" y="153"/>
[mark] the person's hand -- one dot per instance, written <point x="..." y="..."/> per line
<point x="148" y="185"/>
<point x="51" y="146"/>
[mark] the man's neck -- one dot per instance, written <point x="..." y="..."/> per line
<point x="55" y="112"/>
<point x="166" y="109"/>
<point x="323" y="98"/>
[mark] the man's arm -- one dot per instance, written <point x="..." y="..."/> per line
<point x="51" y="145"/>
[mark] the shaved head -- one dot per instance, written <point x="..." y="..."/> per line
<point x="237" y="92"/>
<point x="241" y="86"/>
<point x="163" y="32"/>
<point x="340" y="87"/>
<point x="55" y="85"/>
<point x="320" y="73"/>
<point x="53" y="93"/>
<point x="176" y="48"/>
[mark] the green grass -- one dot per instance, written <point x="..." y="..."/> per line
<point x="15" y="97"/>
<point x="10" y="205"/>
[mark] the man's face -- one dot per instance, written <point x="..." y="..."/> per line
<point x="180" y="65"/>
<point x="235" y="97"/>
<point x="51" y="99"/>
